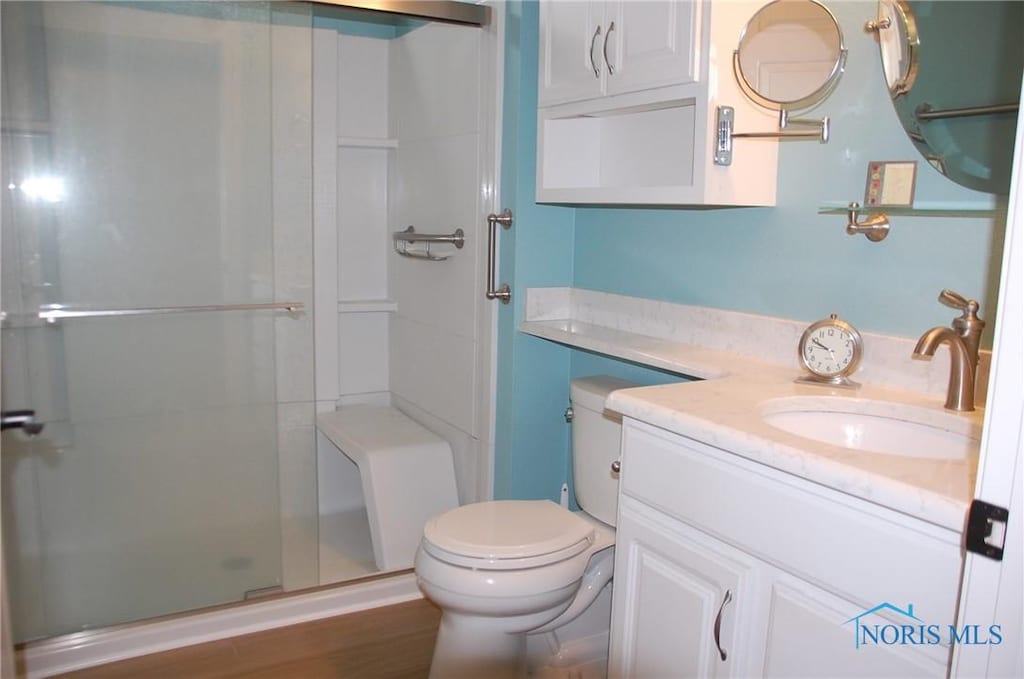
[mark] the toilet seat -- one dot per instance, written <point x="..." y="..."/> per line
<point x="507" y="535"/>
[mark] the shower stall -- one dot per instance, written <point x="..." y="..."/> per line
<point x="198" y="201"/>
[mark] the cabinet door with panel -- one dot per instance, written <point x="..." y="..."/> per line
<point x="571" y="62"/>
<point x="651" y="43"/>
<point x="810" y="633"/>
<point x="679" y="606"/>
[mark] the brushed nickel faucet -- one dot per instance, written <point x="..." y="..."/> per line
<point x="963" y="338"/>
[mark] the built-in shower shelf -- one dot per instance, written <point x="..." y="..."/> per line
<point x="366" y="306"/>
<point x="367" y="142"/>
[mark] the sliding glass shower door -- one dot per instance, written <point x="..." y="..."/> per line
<point x="154" y="272"/>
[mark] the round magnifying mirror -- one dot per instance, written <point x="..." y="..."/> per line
<point x="791" y="55"/>
<point x="898" y="44"/>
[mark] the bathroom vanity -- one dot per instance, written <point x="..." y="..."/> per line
<point x="728" y="567"/>
<point x="746" y="549"/>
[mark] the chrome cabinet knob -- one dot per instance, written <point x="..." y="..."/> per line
<point x="616" y="466"/>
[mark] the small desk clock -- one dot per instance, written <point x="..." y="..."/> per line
<point x="830" y="351"/>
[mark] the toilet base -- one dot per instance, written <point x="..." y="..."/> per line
<point x="470" y="647"/>
<point x="578" y="650"/>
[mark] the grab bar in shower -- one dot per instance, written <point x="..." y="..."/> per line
<point x="52" y="313"/>
<point x="402" y="239"/>
<point x="926" y="112"/>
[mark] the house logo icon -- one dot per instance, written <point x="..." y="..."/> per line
<point x="876" y="633"/>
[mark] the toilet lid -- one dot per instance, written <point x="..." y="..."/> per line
<point x="507" y="534"/>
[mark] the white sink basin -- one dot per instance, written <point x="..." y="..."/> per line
<point x="876" y="426"/>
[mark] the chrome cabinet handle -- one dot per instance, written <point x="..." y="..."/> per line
<point x="718" y="623"/>
<point x="593" y="41"/>
<point x="504" y="293"/>
<point x="611" y="69"/>
<point x="616" y="466"/>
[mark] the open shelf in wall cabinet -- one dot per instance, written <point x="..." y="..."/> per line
<point x="645" y="148"/>
<point x="367" y="143"/>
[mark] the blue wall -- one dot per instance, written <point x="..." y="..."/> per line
<point x="531" y="437"/>
<point x="789" y="261"/>
<point x="784" y="261"/>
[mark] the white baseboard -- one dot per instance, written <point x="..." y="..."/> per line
<point x="86" y="649"/>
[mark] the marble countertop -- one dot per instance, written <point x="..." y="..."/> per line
<point x="726" y="413"/>
<point x="724" y="408"/>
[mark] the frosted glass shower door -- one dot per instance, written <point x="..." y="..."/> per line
<point x="138" y="166"/>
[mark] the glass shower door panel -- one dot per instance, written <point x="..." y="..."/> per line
<point x="138" y="159"/>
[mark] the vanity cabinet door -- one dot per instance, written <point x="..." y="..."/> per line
<point x="651" y="44"/>
<point x="679" y="600"/>
<point x="571" y="62"/>
<point x="809" y="634"/>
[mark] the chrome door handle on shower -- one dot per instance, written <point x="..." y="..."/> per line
<point x="504" y="293"/>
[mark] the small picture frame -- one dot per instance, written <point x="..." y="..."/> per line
<point x="890" y="183"/>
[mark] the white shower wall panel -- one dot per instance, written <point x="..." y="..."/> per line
<point x="436" y="184"/>
<point x="362" y="223"/>
<point x="362" y="87"/>
<point x="363" y="359"/>
<point x="435" y="89"/>
<point x="433" y="369"/>
<point x="436" y="191"/>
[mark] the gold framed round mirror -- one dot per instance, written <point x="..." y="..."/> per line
<point x="790" y="55"/>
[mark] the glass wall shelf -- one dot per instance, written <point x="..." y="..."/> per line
<point x="873" y="222"/>
<point x="966" y="211"/>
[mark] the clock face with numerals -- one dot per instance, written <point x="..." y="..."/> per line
<point x="830" y="348"/>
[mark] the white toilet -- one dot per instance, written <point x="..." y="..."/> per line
<point x="501" y="569"/>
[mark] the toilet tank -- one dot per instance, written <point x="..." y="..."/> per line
<point x="596" y="443"/>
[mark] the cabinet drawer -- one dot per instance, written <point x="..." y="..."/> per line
<point x="863" y="552"/>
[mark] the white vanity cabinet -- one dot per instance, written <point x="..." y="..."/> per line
<point x="678" y="599"/>
<point x="590" y="49"/>
<point x="719" y="555"/>
<point x="627" y="97"/>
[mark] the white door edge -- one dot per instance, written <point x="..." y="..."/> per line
<point x="991" y="591"/>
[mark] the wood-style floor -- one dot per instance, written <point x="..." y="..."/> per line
<point x="390" y="642"/>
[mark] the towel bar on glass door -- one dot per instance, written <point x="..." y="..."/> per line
<point x="410" y="236"/>
<point x="52" y="313"/>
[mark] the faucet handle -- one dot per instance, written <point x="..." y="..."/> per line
<point x="968" y="326"/>
<point x="957" y="301"/>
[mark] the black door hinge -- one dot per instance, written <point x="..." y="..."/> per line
<point x="986" y="529"/>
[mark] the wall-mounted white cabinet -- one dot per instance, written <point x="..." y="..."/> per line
<point x="590" y="49"/>
<point x="627" y="94"/>
<point x="728" y="568"/>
